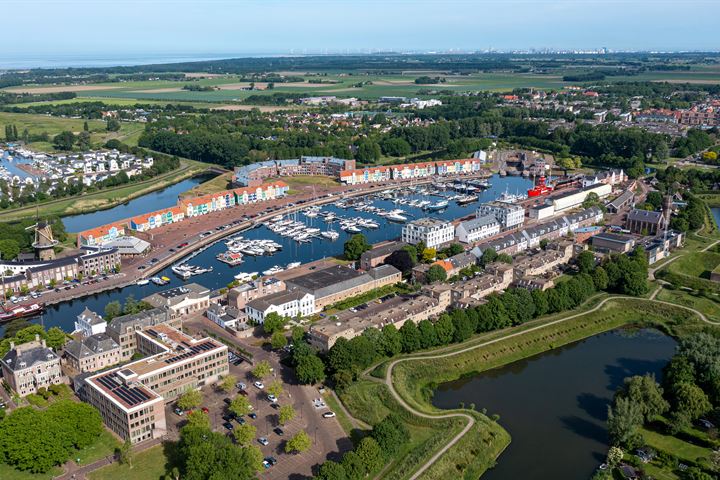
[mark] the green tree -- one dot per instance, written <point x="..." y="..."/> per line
<point x="428" y="337"/>
<point x="330" y="470"/>
<point x="55" y="337"/>
<point x="645" y="392"/>
<point x="624" y="420"/>
<point x="262" y="369"/>
<point x="244" y="434"/>
<point x="9" y="249"/>
<point x="391" y="434"/>
<point x="370" y="454"/>
<point x="273" y="323"/>
<point x="64" y="140"/>
<point x="83" y="140"/>
<point x="368" y="151"/>
<point x="287" y="413"/>
<point x="227" y="383"/>
<point x="86" y="127"/>
<point x="301" y="442"/>
<point x="310" y="369"/>
<point x="614" y="456"/>
<point x="600" y="278"/>
<point x="190" y="399"/>
<point x="436" y="273"/>
<point x="391" y="340"/>
<point x="112" y="125"/>
<point x="125" y="453"/>
<point x="690" y="400"/>
<point x="356" y="246"/>
<point x="112" y="310"/>
<point x="275" y="388"/>
<point x="278" y="340"/>
<point x="444" y="329"/>
<point x="211" y="455"/>
<point x="240" y="405"/>
<point x="428" y="254"/>
<point x="198" y="418"/>
<point x="586" y="261"/>
<point x="410" y="337"/>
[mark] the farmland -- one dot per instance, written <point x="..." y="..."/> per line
<point x="230" y="89"/>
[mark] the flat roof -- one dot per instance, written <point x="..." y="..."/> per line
<point x="129" y="396"/>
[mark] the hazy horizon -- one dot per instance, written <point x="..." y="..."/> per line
<point x="48" y="30"/>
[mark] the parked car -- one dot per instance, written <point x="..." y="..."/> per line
<point x="259" y="385"/>
<point x="205" y="410"/>
<point x="241" y="385"/>
<point x="272" y="398"/>
<point x="252" y="415"/>
<point x="269" y="462"/>
<point x="279" y="431"/>
<point x="275" y="406"/>
<point x="228" y="425"/>
<point x="178" y="411"/>
<point x="328" y="414"/>
<point x="240" y="420"/>
<point x="263" y="441"/>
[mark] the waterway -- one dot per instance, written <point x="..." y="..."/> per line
<point x="164" y="198"/>
<point x="64" y="314"/>
<point x="555" y="404"/>
<point x="716" y="215"/>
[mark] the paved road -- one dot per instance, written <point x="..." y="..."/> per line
<point x="470" y="420"/>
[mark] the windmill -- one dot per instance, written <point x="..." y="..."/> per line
<point x="44" y="243"/>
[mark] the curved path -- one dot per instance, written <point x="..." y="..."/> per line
<point x="470" y="420"/>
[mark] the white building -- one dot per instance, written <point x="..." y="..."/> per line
<point x="575" y="198"/>
<point x="541" y="212"/>
<point x="432" y="232"/>
<point x="90" y="323"/>
<point x="291" y="304"/>
<point x="507" y="214"/>
<point x="473" y="230"/>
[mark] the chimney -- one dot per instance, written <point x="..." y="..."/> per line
<point x="42" y="342"/>
<point x="12" y="345"/>
<point x="37" y="337"/>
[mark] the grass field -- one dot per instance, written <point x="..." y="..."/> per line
<point x="679" y="448"/>
<point x="37" y="124"/>
<point x="695" y="264"/>
<point x="9" y="473"/>
<point x="151" y="464"/>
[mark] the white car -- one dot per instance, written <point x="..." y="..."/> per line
<point x="272" y="398"/>
<point x="263" y="441"/>
<point x="241" y="385"/>
<point x="328" y="414"/>
<point x="259" y="385"/>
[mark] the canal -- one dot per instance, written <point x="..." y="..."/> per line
<point x="163" y="198"/>
<point x="64" y="314"/>
<point x="555" y="404"/>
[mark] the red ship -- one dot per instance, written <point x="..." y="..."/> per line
<point x="20" y="311"/>
<point x="540" y="188"/>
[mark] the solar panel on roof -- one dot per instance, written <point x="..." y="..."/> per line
<point x="131" y="396"/>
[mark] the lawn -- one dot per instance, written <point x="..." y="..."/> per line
<point x="695" y="264"/>
<point x="214" y="185"/>
<point x="151" y="464"/>
<point x="302" y="181"/>
<point x="676" y="447"/>
<point x="104" y="447"/>
<point x="9" y="473"/>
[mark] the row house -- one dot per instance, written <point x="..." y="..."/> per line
<point x="365" y="175"/>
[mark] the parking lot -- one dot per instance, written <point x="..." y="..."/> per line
<point x="328" y="438"/>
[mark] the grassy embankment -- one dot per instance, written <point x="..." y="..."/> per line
<point x="414" y="381"/>
<point x="107" y="198"/>
<point x="214" y="185"/>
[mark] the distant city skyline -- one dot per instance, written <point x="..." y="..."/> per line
<point x="49" y="31"/>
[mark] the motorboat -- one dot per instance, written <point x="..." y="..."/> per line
<point x="273" y="270"/>
<point x="292" y="265"/>
<point x="142" y="281"/>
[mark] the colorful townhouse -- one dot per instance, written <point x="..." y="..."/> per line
<point x="365" y="175"/>
<point x="99" y="236"/>
<point x="457" y="167"/>
<point x="413" y="170"/>
<point x="148" y="221"/>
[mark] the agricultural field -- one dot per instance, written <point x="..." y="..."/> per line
<point x="229" y="89"/>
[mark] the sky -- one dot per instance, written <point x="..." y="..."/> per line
<point x="178" y="28"/>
